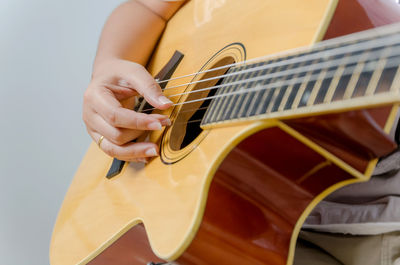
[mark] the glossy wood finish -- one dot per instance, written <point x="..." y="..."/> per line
<point x="256" y="198"/>
<point x="254" y="201"/>
<point x="356" y="137"/>
<point x="244" y="211"/>
<point x="356" y="15"/>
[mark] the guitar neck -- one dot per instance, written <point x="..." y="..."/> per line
<point x="350" y="73"/>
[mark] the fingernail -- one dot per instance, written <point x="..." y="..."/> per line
<point x="142" y="160"/>
<point x="166" y="122"/>
<point x="164" y="100"/>
<point x="154" y="126"/>
<point x="151" y="152"/>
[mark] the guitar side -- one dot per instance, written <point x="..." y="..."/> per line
<point x="170" y="200"/>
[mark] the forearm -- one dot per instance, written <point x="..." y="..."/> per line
<point x="133" y="29"/>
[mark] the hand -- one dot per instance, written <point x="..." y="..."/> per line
<point x="107" y="109"/>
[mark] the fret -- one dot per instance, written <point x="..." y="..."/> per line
<point x="325" y="84"/>
<point x="218" y="116"/>
<point x="293" y="89"/>
<point x="248" y="96"/>
<point x="301" y="93"/>
<point x="355" y="76"/>
<point x="334" y="84"/>
<point x="306" y="94"/>
<point x="238" y="99"/>
<point x="280" y="104"/>
<point x="364" y="78"/>
<point x="396" y="81"/>
<point x="292" y="95"/>
<point x="316" y="87"/>
<point x="377" y="73"/>
<point x="335" y="80"/>
<point x="212" y="110"/>
<point x="341" y="87"/>
<point x="369" y="72"/>
<point x="278" y="99"/>
<point x="386" y="80"/>
<point x="375" y="77"/>
<point x="273" y="96"/>
<point x="230" y="104"/>
<point x="361" y="84"/>
<point x="275" y="90"/>
<point x="267" y="94"/>
<point x="281" y="92"/>
<point x="258" y="95"/>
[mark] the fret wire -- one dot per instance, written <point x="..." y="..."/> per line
<point x="281" y="90"/>
<point x="318" y="52"/>
<point x="392" y="62"/>
<point x="302" y="88"/>
<point x="341" y="87"/>
<point x="334" y="84"/>
<point x="266" y="94"/>
<point x="316" y="87"/>
<point x="335" y="81"/>
<point x="238" y="99"/>
<point x="355" y="76"/>
<point x="219" y="106"/>
<point x="278" y="99"/>
<point x="247" y="97"/>
<point x="254" y="95"/>
<point x="362" y="83"/>
<point x="332" y="63"/>
<point x="270" y="97"/>
<point x="258" y="95"/>
<point x="294" y="90"/>
<point x="230" y="104"/>
<point x="396" y="81"/>
<point x="273" y="96"/>
<point x="288" y="91"/>
<point x="354" y="66"/>
<point x="385" y="80"/>
<point x="377" y="73"/>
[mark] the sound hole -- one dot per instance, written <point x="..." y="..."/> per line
<point x="193" y="128"/>
<point x="186" y="127"/>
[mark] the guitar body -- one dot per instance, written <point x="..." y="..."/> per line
<point x="235" y="194"/>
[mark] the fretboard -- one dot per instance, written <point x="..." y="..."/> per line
<point x="348" y="74"/>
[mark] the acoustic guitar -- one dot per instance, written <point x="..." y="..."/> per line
<point x="275" y="107"/>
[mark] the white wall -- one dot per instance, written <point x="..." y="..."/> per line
<point x="46" y="51"/>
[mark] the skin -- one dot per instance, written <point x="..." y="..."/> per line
<point x="128" y="38"/>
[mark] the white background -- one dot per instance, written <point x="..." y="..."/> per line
<point x="46" y="53"/>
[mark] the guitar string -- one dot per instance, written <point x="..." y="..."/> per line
<point x="348" y="70"/>
<point x="330" y="74"/>
<point x="369" y="44"/>
<point x="358" y="36"/>
<point x="304" y="69"/>
<point x="307" y="68"/>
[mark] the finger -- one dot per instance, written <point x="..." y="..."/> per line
<point x="145" y="84"/>
<point x="114" y="114"/>
<point x="118" y="136"/>
<point x="127" y="152"/>
<point x="121" y="92"/>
